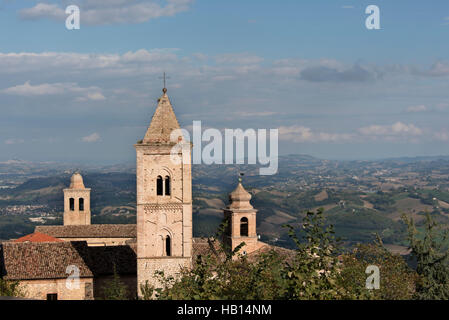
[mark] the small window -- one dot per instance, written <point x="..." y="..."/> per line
<point x="72" y="204"/>
<point x="167" y="185"/>
<point x="81" y="204"/>
<point x="159" y="186"/>
<point x="52" y="296"/>
<point x="244" y="227"/>
<point x="168" y="246"/>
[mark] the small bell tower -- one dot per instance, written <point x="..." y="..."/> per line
<point x="76" y="202"/>
<point x="241" y="219"/>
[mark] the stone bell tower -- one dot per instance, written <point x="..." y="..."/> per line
<point x="164" y="197"/>
<point x="76" y="202"/>
<point x="241" y="221"/>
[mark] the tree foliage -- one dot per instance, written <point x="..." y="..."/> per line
<point x="115" y="289"/>
<point x="314" y="271"/>
<point x="318" y="269"/>
<point x="224" y="274"/>
<point x="397" y="279"/>
<point x="428" y="249"/>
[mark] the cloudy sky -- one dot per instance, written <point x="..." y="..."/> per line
<point x="333" y="88"/>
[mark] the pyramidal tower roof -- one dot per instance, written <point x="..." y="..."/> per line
<point x="163" y="122"/>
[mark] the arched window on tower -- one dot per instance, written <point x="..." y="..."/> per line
<point x="244" y="227"/>
<point x="167" y="185"/>
<point x="168" y="246"/>
<point x="81" y="204"/>
<point x="72" y="204"/>
<point x="159" y="186"/>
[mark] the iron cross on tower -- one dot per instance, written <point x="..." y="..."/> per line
<point x="164" y="77"/>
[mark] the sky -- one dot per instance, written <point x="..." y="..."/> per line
<point x="311" y="69"/>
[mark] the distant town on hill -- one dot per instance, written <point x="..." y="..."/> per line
<point x="360" y="198"/>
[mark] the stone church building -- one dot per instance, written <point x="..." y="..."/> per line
<point x="162" y="239"/>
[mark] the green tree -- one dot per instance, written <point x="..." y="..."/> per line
<point x="313" y="274"/>
<point x="397" y="279"/>
<point x="115" y="289"/>
<point x="316" y="270"/>
<point x="428" y="248"/>
<point x="225" y="274"/>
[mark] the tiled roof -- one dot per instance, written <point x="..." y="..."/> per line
<point x="49" y="260"/>
<point x="201" y="246"/>
<point x="287" y="254"/>
<point x="38" y="237"/>
<point x="42" y="260"/>
<point x="90" y="231"/>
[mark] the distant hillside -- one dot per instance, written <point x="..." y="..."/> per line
<point x="361" y="198"/>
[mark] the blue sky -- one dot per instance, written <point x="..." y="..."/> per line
<point x="310" y="68"/>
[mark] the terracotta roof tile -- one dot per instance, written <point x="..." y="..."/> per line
<point x="37" y="237"/>
<point x="42" y="260"/>
<point x="90" y="231"/>
<point x="49" y="260"/>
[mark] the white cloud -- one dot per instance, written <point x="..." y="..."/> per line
<point x="49" y="11"/>
<point x="27" y="89"/>
<point x="96" y="96"/>
<point x="131" y="63"/>
<point x="238" y="58"/>
<point x="304" y="134"/>
<point x="438" y="69"/>
<point x="398" y="129"/>
<point x="200" y="56"/>
<point x="442" y="135"/>
<point x="255" y="114"/>
<point x="94" y="137"/>
<point x="143" y="55"/>
<point x="288" y="67"/>
<point x="375" y="132"/>
<point x="442" y="106"/>
<point x="14" y="141"/>
<point x="94" y="12"/>
<point x="155" y="61"/>
<point x="45" y="89"/>
<point x="420" y="108"/>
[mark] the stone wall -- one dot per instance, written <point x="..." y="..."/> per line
<point x="92" y="242"/>
<point x="38" y="289"/>
<point x="171" y="266"/>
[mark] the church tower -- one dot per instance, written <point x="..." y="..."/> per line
<point x="76" y="202"/>
<point x="164" y="197"/>
<point x="241" y="221"/>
